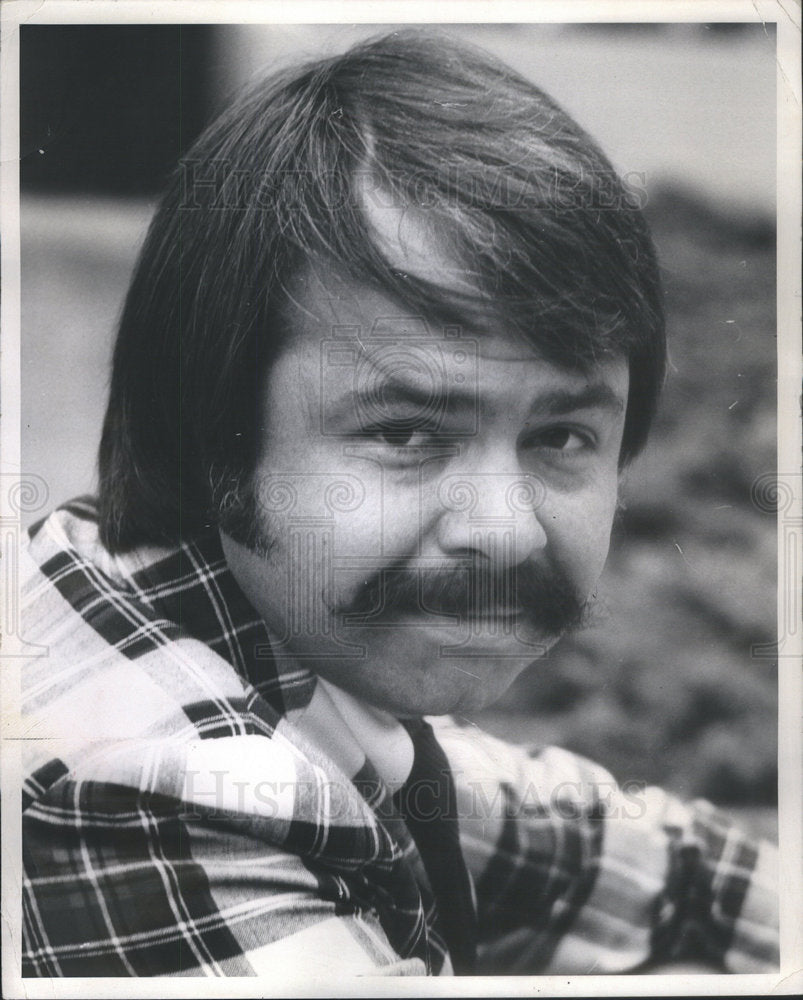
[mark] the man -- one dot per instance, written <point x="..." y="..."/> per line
<point x="394" y="334"/>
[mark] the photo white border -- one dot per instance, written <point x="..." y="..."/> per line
<point x="786" y="15"/>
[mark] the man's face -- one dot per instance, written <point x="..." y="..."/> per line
<point x="434" y="507"/>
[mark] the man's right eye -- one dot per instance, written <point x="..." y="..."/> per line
<point x="395" y="436"/>
<point x="400" y="445"/>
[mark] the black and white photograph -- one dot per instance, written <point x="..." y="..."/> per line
<point x="401" y="499"/>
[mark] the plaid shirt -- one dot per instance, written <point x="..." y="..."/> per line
<point x="195" y="806"/>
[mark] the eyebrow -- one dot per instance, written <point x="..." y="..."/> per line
<point x="394" y="391"/>
<point x="554" y="402"/>
<point x="594" y="396"/>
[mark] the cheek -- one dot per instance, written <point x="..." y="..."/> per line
<point x="579" y="531"/>
<point x="383" y="529"/>
<point x="318" y="499"/>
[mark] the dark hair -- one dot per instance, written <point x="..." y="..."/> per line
<point x="552" y="240"/>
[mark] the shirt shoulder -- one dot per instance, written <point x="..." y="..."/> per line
<point x="116" y="669"/>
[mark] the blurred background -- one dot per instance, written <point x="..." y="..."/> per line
<point x="667" y="685"/>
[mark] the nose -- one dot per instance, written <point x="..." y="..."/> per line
<point x="492" y="513"/>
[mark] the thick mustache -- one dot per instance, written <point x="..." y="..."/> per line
<point x="541" y="596"/>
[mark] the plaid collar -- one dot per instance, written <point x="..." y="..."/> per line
<point x="192" y="586"/>
<point x="176" y="614"/>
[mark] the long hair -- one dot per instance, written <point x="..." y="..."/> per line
<point x="551" y="240"/>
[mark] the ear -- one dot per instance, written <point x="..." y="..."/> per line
<point x="621" y="495"/>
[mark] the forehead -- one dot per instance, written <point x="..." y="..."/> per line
<point x="414" y="242"/>
<point x="409" y="240"/>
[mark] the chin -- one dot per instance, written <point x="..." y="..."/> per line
<point x="435" y="693"/>
<point x="407" y="674"/>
